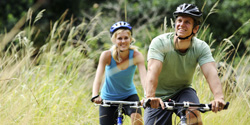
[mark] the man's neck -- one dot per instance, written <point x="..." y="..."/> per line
<point x="182" y="45"/>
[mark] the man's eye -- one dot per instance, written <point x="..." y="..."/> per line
<point x="188" y="22"/>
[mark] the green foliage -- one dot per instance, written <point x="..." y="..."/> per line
<point x="231" y="15"/>
<point x="11" y="12"/>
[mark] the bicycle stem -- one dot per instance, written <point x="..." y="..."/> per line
<point x="183" y="118"/>
<point x="119" y="118"/>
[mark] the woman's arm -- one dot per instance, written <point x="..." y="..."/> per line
<point x="139" y="61"/>
<point x="103" y="61"/>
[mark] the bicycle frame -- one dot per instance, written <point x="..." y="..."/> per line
<point x="120" y="104"/>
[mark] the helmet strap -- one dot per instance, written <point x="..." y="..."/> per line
<point x="183" y="38"/>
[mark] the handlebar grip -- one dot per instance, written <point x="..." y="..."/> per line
<point x="147" y="103"/>
<point x="225" y="107"/>
<point x="92" y="99"/>
<point x="139" y="103"/>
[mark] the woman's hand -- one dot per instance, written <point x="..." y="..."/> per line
<point x="96" y="99"/>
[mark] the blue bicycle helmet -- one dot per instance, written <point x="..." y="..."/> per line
<point x="120" y="25"/>
<point x="189" y="9"/>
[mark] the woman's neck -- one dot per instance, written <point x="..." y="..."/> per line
<point x="124" y="54"/>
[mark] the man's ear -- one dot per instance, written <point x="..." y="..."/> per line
<point x="196" y="28"/>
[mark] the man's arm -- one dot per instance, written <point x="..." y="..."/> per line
<point x="210" y="72"/>
<point x="154" y="70"/>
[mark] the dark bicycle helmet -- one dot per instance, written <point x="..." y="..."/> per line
<point x="191" y="10"/>
<point x="120" y="25"/>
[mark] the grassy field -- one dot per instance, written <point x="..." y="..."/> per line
<point x="54" y="87"/>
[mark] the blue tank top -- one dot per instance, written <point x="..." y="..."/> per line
<point x="118" y="84"/>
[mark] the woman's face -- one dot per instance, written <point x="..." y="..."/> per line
<point x="123" y="40"/>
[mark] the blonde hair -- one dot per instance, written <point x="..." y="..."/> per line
<point x="115" y="52"/>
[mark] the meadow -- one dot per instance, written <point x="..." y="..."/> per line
<point x="53" y="85"/>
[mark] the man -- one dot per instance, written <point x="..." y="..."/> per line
<point x="172" y="60"/>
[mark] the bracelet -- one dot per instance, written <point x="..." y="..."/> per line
<point x="92" y="99"/>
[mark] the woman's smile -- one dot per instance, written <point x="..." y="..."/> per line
<point x="123" y="41"/>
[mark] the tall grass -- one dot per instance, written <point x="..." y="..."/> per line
<point x="54" y="87"/>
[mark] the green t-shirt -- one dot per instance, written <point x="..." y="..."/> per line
<point x="178" y="68"/>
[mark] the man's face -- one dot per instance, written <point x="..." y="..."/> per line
<point x="184" y="26"/>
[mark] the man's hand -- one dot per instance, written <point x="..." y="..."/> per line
<point x="155" y="102"/>
<point x="218" y="105"/>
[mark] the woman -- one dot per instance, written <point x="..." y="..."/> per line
<point x="119" y="64"/>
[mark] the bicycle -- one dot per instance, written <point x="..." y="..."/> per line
<point x="170" y="106"/>
<point x="120" y="105"/>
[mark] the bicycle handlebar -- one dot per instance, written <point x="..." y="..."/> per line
<point x="131" y="104"/>
<point x="172" y="105"/>
<point x="168" y="105"/>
